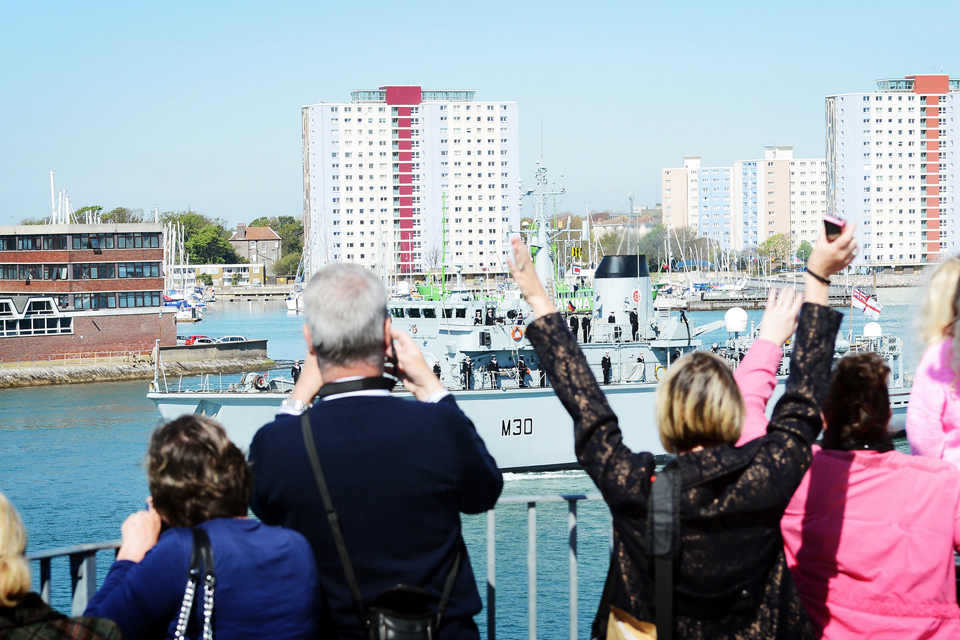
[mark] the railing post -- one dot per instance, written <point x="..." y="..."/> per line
<point x="532" y="570"/>
<point x="83" y="575"/>
<point x="45" y="580"/>
<point x="491" y="575"/>
<point x="574" y="591"/>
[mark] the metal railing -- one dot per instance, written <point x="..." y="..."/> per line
<point x="83" y="563"/>
<point x="64" y="359"/>
<point x="531" y="502"/>
<point x="83" y="571"/>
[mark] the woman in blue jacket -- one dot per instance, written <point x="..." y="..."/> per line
<point x="266" y="578"/>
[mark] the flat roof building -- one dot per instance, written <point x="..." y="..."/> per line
<point x="890" y="156"/>
<point x="403" y="180"/>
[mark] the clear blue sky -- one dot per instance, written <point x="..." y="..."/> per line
<point x="198" y="104"/>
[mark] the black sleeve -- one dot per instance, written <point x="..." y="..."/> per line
<point x="262" y="465"/>
<point x="619" y="473"/>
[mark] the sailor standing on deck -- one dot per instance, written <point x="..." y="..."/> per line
<point x="634" y="323"/>
<point x="295" y="371"/>
<point x="466" y="369"/>
<point x="494" y="370"/>
<point x="606" y="365"/>
<point x="574" y="324"/>
<point x="436" y="369"/>
<point x="585" y="324"/>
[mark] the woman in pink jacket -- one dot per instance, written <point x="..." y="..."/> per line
<point x="870" y="533"/>
<point x="933" y="416"/>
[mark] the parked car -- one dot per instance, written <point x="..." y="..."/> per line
<point x="199" y="340"/>
<point x="181" y="340"/>
<point x="232" y="339"/>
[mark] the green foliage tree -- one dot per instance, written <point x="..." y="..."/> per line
<point x="205" y="238"/>
<point x="29" y="221"/>
<point x="776" y="248"/>
<point x="205" y="279"/>
<point x="208" y="246"/>
<point x="263" y="221"/>
<point x="804" y="250"/>
<point x="82" y="211"/>
<point x="122" y="215"/>
<point x="287" y="265"/>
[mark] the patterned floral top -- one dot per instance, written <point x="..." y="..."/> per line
<point x="732" y="580"/>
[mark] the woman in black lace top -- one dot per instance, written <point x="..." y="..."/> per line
<point x="731" y="580"/>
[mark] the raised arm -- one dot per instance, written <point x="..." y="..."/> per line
<point x="619" y="473"/>
<point x="796" y="420"/>
<point x="757" y="374"/>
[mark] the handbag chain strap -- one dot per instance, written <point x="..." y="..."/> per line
<point x="337" y="530"/>
<point x="201" y="560"/>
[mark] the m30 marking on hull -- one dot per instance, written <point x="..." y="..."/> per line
<point x="516" y="427"/>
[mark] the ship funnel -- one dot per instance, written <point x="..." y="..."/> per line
<point x="736" y="320"/>
<point x="622" y="284"/>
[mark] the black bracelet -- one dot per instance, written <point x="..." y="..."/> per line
<point x="820" y="278"/>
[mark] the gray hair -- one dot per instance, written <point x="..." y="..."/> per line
<point x="345" y="307"/>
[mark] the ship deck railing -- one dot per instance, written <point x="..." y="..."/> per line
<point x="83" y="563"/>
<point x="76" y="359"/>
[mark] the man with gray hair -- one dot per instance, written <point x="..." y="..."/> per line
<point x="399" y="471"/>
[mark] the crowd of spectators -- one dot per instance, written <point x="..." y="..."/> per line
<point x="757" y="528"/>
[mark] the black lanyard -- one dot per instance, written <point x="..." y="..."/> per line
<point x="361" y="384"/>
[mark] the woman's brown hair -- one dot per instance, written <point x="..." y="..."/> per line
<point x="857" y="407"/>
<point x="195" y="473"/>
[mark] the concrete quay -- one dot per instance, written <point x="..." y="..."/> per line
<point x="37" y="376"/>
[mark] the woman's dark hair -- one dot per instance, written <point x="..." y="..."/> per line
<point x="857" y="408"/>
<point x="195" y="473"/>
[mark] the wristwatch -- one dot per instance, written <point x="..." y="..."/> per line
<point x="297" y="405"/>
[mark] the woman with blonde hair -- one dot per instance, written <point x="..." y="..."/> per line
<point x="24" y="615"/>
<point x="933" y="416"/>
<point x="729" y="573"/>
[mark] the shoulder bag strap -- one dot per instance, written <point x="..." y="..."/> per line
<point x="664" y="544"/>
<point x="448" y="588"/>
<point x="202" y="540"/>
<point x="193" y="578"/>
<point x="332" y="516"/>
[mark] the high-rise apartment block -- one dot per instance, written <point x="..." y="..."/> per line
<point x="401" y="180"/>
<point x="890" y="157"/>
<point x="742" y="205"/>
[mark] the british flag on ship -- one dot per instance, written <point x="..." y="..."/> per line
<point x="870" y="306"/>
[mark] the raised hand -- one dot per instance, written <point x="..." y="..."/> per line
<point x="412" y="369"/>
<point x="780" y="318"/>
<point x="521" y="267"/>
<point x="828" y="258"/>
<point x="139" y="533"/>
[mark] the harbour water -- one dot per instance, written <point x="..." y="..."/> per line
<point x="71" y="461"/>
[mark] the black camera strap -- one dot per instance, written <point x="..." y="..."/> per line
<point x="360" y="384"/>
<point x="336" y="529"/>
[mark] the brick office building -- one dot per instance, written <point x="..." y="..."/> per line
<point x="68" y="289"/>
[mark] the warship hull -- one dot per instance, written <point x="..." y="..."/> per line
<point x="524" y="429"/>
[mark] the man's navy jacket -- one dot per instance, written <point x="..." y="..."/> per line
<point x="400" y="472"/>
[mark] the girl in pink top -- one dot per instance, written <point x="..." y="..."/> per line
<point x="870" y="533"/>
<point x="933" y="416"/>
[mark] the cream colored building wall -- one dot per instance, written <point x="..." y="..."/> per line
<point x="673" y="196"/>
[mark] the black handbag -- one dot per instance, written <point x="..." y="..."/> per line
<point x="201" y="567"/>
<point x="401" y="612"/>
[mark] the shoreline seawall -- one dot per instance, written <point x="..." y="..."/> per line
<point x="13" y="378"/>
